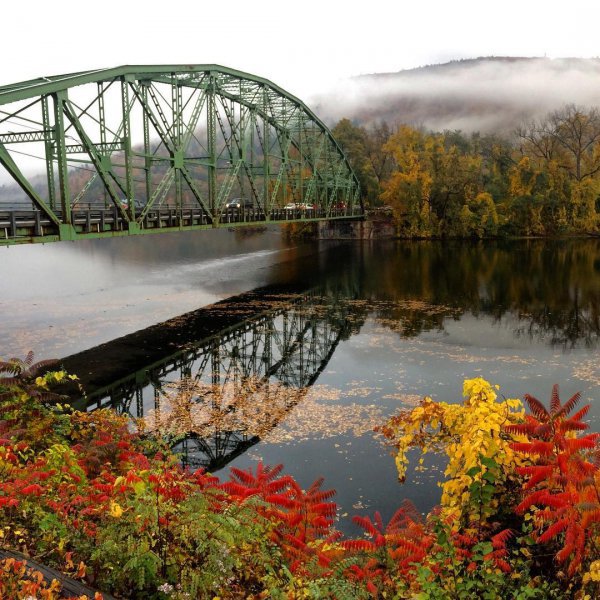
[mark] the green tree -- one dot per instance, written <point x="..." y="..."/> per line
<point x="354" y="141"/>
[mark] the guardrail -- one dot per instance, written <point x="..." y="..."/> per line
<point x="33" y="225"/>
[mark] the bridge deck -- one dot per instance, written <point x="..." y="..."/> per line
<point x="30" y="226"/>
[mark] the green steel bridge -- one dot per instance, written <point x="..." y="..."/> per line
<point x="147" y="149"/>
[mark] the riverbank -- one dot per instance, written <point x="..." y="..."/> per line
<point x="381" y="224"/>
<point x="85" y="496"/>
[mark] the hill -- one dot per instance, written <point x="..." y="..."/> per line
<point x="489" y="94"/>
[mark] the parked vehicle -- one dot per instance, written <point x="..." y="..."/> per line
<point x="139" y="205"/>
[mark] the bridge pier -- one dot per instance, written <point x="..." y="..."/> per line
<point x="365" y="229"/>
<point x="134" y="228"/>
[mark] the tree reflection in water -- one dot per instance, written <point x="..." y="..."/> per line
<point x="552" y="289"/>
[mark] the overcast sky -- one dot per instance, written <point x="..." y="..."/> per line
<point x="303" y="46"/>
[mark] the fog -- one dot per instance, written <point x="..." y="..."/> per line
<point x="485" y="94"/>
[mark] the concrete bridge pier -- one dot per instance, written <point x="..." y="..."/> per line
<point x="367" y="229"/>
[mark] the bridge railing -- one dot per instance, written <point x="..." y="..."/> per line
<point x="33" y="225"/>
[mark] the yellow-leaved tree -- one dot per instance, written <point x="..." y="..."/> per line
<point x="409" y="188"/>
<point x="472" y="435"/>
<point x="431" y="180"/>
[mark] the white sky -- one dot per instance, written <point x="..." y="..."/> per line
<point x="303" y="46"/>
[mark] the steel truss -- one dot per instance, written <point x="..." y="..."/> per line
<point x="144" y="149"/>
<point x="285" y="347"/>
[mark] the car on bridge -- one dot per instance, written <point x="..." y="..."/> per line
<point x="299" y="206"/>
<point x="239" y="203"/>
<point x="139" y="205"/>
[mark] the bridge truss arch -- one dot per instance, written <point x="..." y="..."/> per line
<point x="139" y="149"/>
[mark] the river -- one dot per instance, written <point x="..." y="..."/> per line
<point x="334" y="338"/>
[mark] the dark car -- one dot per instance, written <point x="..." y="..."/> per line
<point x="238" y="203"/>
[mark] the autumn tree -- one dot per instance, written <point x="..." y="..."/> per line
<point x="545" y="181"/>
<point x="408" y="190"/>
<point x="564" y="147"/>
<point x="577" y="131"/>
<point x="432" y="180"/>
<point x="380" y="159"/>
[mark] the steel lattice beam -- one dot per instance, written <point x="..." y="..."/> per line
<point x="152" y="141"/>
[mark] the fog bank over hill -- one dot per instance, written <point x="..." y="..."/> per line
<point x="492" y="94"/>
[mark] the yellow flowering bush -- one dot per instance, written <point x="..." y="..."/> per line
<point x="472" y="436"/>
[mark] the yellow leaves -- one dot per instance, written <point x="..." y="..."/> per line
<point x="522" y="178"/>
<point x="494" y="426"/>
<point x="115" y="510"/>
<point x="594" y="573"/>
<point x="472" y="436"/>
<point x="478" y="216"/>
<point x="478" y="390"/>
<point x="401" y="465"/>
<point x="41" y="382"/>
<point x="45" y="380"/>
<point x="514" y="404"/>
<point x="137" y="484"/>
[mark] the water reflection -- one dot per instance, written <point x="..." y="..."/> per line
<point x="228" y="375"/>
<point x="222" y="394"/>
<point x="549" y="290"/>
<point x="309" y="373"/>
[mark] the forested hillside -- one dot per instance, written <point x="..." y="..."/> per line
<point x="544" y="179"/>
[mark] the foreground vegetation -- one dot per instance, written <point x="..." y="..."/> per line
<point x="519" y="514"/>
<point x="545" y="180"/>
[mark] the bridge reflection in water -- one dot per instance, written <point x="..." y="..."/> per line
<point x="222" y="394"/>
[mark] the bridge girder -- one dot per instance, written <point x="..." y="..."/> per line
<point x="137" y="149"/>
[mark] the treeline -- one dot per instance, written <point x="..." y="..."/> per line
<point x="543" y="180"/>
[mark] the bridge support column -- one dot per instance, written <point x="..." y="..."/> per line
<point x="355" y="230"/>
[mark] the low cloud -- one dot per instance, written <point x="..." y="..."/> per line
<point x="486" y="94"/>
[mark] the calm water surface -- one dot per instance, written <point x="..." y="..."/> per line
<point x="370" y="329"/>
